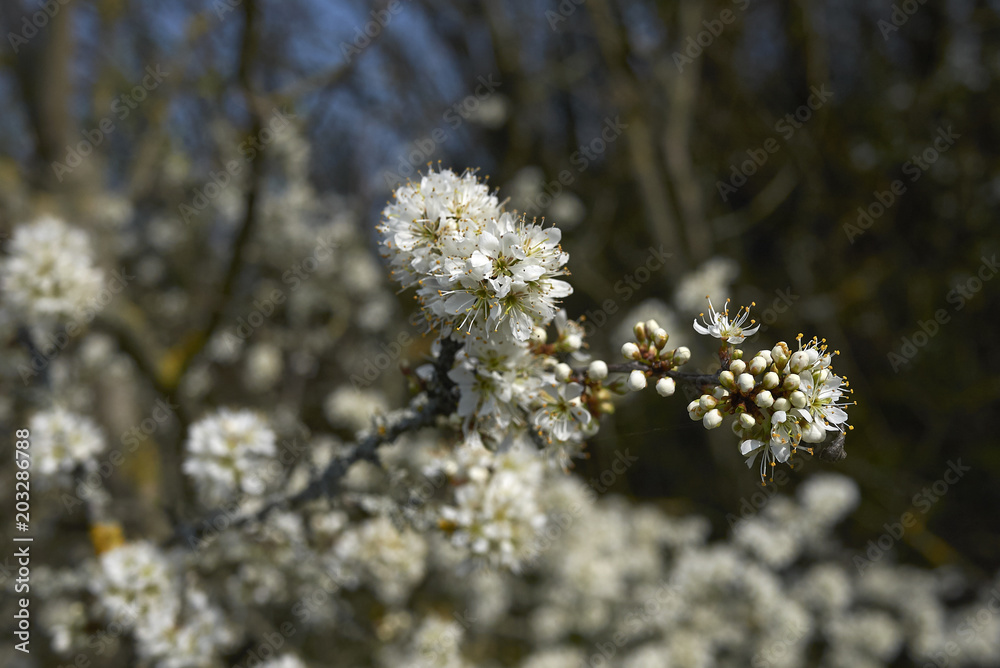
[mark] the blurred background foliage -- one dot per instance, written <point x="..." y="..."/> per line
<point x="519" y="89"/>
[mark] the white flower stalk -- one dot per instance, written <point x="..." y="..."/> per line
<point x="719" y="325"/>
<point x="49" y="273"/>
<point x="229" y="452"/>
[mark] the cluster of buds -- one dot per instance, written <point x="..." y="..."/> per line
<point x="779" y="399"/>
<point x="657" y="360"/>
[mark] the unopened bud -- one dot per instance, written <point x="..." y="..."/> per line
<point x="757" y="365"/>
<point x="745" y="382"/>
<point x="713" y="419"/>
<point x="636" y="380"/>
<point x="665" y="386"/>
<point x="781" y="404"/>
<point x="598" y="370"/>
<point x="798" y="399"/>
<point x="660" y="337"/>
<point x="791" y="382"/>
<point x="798" y="361"/>
<point x="764" y="399"/>
<point x="770" y="380"/>
<point x="630" y="351"/>
<point x="538" y="335"/>
<point x="563" y="371"/>
<point x="727" y="380"/>
<point x="708" y="402"/>
<point x="737" y="366"/>
<point x="639" y="329"/>
<point x="747" y="421"/>
<point x="682" y="355"/>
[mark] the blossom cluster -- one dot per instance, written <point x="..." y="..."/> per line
<point x="779" y="398"/>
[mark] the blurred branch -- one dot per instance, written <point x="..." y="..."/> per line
<point x="441" y="400"/>
<point x="639" y="136"/>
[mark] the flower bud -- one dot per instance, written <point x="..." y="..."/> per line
<point x="798" y="361"/>
<point x="745" y="382"/>
<point x="720" y="392"/>
<point x="770" y="380"/>
<point x="695" y="411"/>
<point x="757" y="365"/>
<point x="598" y="370"/>
<point x="636" y="380"/>
<point x="606" y="407"/>
<point x="708" y="402"/>
<point x="781" y="404"/>
<point x="660" y="337"/>
<point x="639" y="329"/>
<point x="747" y="421"/>
<point x="791" y="382"/>
<point x="573" y="342"/>
<point x="766" y="354"/>
<point x="737" y="366"/>
<point x="727" y="380"/>
<point x="651" y="326"/>
<point x="563" y="371"/>
<point x="713" y="419"/>
<point x="630" y="351"/>
<point x="798" y="399"/>
<point x="538" y="335"/>
<point x="682" y="355"/>
<point x="780" y="354"/>
<point x="764" y="399"/>
<point x="665" y="386"/>
<point x="813" y="432"/>
<point x="737" y="353"/>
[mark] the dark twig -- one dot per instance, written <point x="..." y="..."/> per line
<point x="441" y="400"/>
<point x="693" y="378"/>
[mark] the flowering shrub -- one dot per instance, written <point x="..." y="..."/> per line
<point x="451" y="531"/>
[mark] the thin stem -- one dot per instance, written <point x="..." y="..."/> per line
<point x="693" y="378"/>
<point x="441" y="399"/>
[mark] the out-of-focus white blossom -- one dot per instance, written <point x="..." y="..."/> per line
<point x="228" y="452"/>
<point x="61" y="441"/>
<point x="49" y="273"/>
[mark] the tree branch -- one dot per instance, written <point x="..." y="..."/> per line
<point x="441" y="400"/>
